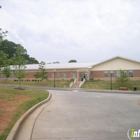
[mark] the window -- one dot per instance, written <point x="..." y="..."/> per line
<point x="64" y="75"/>
<point x="53" y="75"/>
<point x="73" y="75"/>
<point x="125" y="72"/>
<point x="45" y="76"/>
<point x="111" y="73"/>
<point x="58" y="75"/>
<point x="118" y="73"/>
<point x="105" y="73"/>
<point x="130" y="73"/>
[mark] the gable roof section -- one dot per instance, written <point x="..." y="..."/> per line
<point x="116" y="58"/>
<point x="117" y="63"/>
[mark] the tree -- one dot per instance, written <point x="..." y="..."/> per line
<point x="42" y="70"/>
<point x="72" y="61"/>
<point x="3" y="59"/>
<point x="19" y="64"/>
<point x="30" y="60"/>
<point x="10" y="48"/>
<point x="6" y="71"/>
<point x="6" y="68"/>
<point x="37" y="75"/>
<point x="2" y="34"/>
<point x="122" y="79"/>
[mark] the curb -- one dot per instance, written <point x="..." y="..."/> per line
<point x="19" y="122"/>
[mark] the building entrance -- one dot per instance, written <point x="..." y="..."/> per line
<point x="83" y="76"/>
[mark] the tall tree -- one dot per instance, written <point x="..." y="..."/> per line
<point x="2" y="33"/>
<point x="30" y="60"/>
<point x="19" y="64"/>
<point x="10" y="48"/>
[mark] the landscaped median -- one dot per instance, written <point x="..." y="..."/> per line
<point x="13" y="103"/>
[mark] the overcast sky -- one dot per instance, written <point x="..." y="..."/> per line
<point x="85" y="30"/>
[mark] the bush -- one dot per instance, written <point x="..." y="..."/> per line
<point x="71" y="80"/>
<point x="122" y="79"/>
<point x="91" y="79"/>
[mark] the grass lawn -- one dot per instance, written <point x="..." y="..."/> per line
<point x="105" y="85"/>
<point x="13" y="103"/>
<point x="46" y="83"/>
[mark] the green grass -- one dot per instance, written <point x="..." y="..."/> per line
<point x="48" y="83"/>
<point x="32" y="97"/>
<point x="105" y="85"/>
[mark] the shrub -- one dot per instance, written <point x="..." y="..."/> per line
<point x="91" y="79"/>
<point x="71" y="80"/>
<point x="122" y="79"/>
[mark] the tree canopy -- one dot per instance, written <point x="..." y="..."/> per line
<point x="3" y="59"/>
<point x="10" y="48"/>
<point x="72" y="61"/>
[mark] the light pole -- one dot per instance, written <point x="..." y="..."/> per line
<point x="54" y="79"/>
<point x="111" y="81"/>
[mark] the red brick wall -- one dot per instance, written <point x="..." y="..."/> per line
<point x="29" y="74"/>
<point x="68" y="74"/>
<point x="100" y="74"/>
<point x="94" y="74"/>
<point x="136" y="73"/>
<point x="97" y="74"/>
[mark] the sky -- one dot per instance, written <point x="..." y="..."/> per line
<point x="84" y="30"/>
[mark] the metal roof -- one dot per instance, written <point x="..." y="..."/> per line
<point x="63" y="65"/>
<point x="76" y="65"/>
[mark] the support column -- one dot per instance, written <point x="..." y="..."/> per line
<point x="77" y="75"/>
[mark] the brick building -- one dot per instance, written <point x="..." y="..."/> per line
<point x="79" y="71"/>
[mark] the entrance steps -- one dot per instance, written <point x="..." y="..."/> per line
<point x="76" y="85"/>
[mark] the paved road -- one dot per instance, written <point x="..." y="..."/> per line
<point x="74" y="115"/>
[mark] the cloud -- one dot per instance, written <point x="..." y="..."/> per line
<point x="59" y="30"/>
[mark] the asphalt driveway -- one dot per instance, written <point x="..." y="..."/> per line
<point x="74" y="115"/>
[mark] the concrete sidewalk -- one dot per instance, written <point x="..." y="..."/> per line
<point x="22" y="129"/>
<point x="26" y="130"/>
